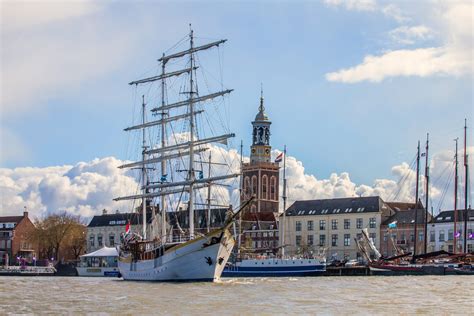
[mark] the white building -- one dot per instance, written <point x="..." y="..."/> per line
<point x="441" y="232"/>
<point x="332" y="224"/>
<point x="105" y="229"/>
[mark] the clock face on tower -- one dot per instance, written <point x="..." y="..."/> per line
<point x="267" y="151"/>
<point x="253" y="150"/>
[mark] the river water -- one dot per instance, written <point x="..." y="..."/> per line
<point x="369" y="295"/>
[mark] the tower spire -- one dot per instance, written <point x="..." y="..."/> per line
<point x="261" y="107"/>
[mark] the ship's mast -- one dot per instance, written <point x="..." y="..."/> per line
<point x="239" y="241"/>
<point x="209" y="197"/>
<point x="416" y="198"/>
<point x="144" y="147"/>
<point x="163" y="144"/>
<point x="427" y="190"/>
<point x="284" y="203"/>
<point x="466" y="187"/>
<point x="191" y="175"/>
<point x="455" y="196"/>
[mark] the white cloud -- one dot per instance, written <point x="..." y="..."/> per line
<point x="20" y="15"/>
<point x="359" y="5"/>
<point x="88" y="187"/>
<point x="49" y="49"/>
<point x="410" y="35"/>
<point x="453" y="21"/>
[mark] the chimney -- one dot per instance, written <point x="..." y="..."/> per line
<point x="104" y="212"/>
<point x="25" y="212"/>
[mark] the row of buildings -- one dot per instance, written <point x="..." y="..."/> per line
<point x="306" y="227"/>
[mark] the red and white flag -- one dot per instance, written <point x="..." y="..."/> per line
<point x="127" y="228"/>
<point x="279" y="158"/>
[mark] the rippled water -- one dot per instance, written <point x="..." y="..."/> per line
<point x="319" y="295"/>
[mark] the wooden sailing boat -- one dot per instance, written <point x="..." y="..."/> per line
<point x="192" y="256"/>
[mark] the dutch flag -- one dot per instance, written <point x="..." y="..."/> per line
<point x="279" y="158"/>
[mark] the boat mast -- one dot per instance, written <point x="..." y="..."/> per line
<point x="455" y="196"/>
<point x="427" y="190"/>
<point x="191" y="175"/>
<point x="416" y="198"/>
<point x="144" y="147"/>
<point x="209" y="198"/>
<point x="163" y="144"/>
<point x="466" y="185"/>
<point x="284" y="203"/>
<point x="239" y="241"/>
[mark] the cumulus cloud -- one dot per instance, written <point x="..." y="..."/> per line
<point x="88" y="187"/>
<point x="453" y="21"/>
<point x="50" y="48"/>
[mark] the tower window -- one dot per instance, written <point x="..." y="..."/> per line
<point x="254" y="185"/>
<point x="247" y="187"/>
<point x="265" y="187"/>
<point x="273" y="188"/>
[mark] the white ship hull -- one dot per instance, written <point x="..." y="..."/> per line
<point x="195" y="260"/>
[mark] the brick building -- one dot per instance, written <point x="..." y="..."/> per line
<point x="260" y="179"/>
<point x="15" y="235"/>
<point x="402" y="236"/>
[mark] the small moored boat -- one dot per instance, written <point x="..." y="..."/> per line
<point x="101" y="263"/>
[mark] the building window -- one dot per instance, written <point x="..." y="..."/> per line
<point x="99" y="240"/>
<point x="432" y="236"/>
<point x="450" y="248"/>
<point x="347" y="224"/>
<point x="273" y="188"/>
<point x="310" y="225"/>
<point x="322" y="224"/>
<point x="254" y="186"/>
<point x="372" y="236"/>
<point x="420" y="236"/>
<point x="310" y="240"/>
<point x="247" y="187"/>
<point x="372" y="222"/>
<point x="334" y="224"/>
<point x="347" y="239"/>
<point x="265" y="187"/>
<point x="359" y="223"/>
<point x="450" y="235"/>
<point x="112" y="240"/>
<point x="334" y="240"/>
<point x="441" y="235"/>
<point x="298" y="226"/>
<point x="359" y="236"/>
<point x="298" y="240"/>
<point x="92" y="241"/>
<point x="322" y="240"/>
<point x="470" y="248"/>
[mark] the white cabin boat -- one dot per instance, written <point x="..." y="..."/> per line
<point x="100" y="263"/>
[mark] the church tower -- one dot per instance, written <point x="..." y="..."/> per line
<point x="260" y="149"/>
<point x="261" y="180"/>
<point x="261" y="175"/>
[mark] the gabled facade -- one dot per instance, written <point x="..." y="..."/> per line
<point x="15" y="239"/>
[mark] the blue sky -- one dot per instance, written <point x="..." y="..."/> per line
<point x="65" y="97"/>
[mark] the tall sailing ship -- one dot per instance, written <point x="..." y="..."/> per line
<point x="172" y="172"/>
